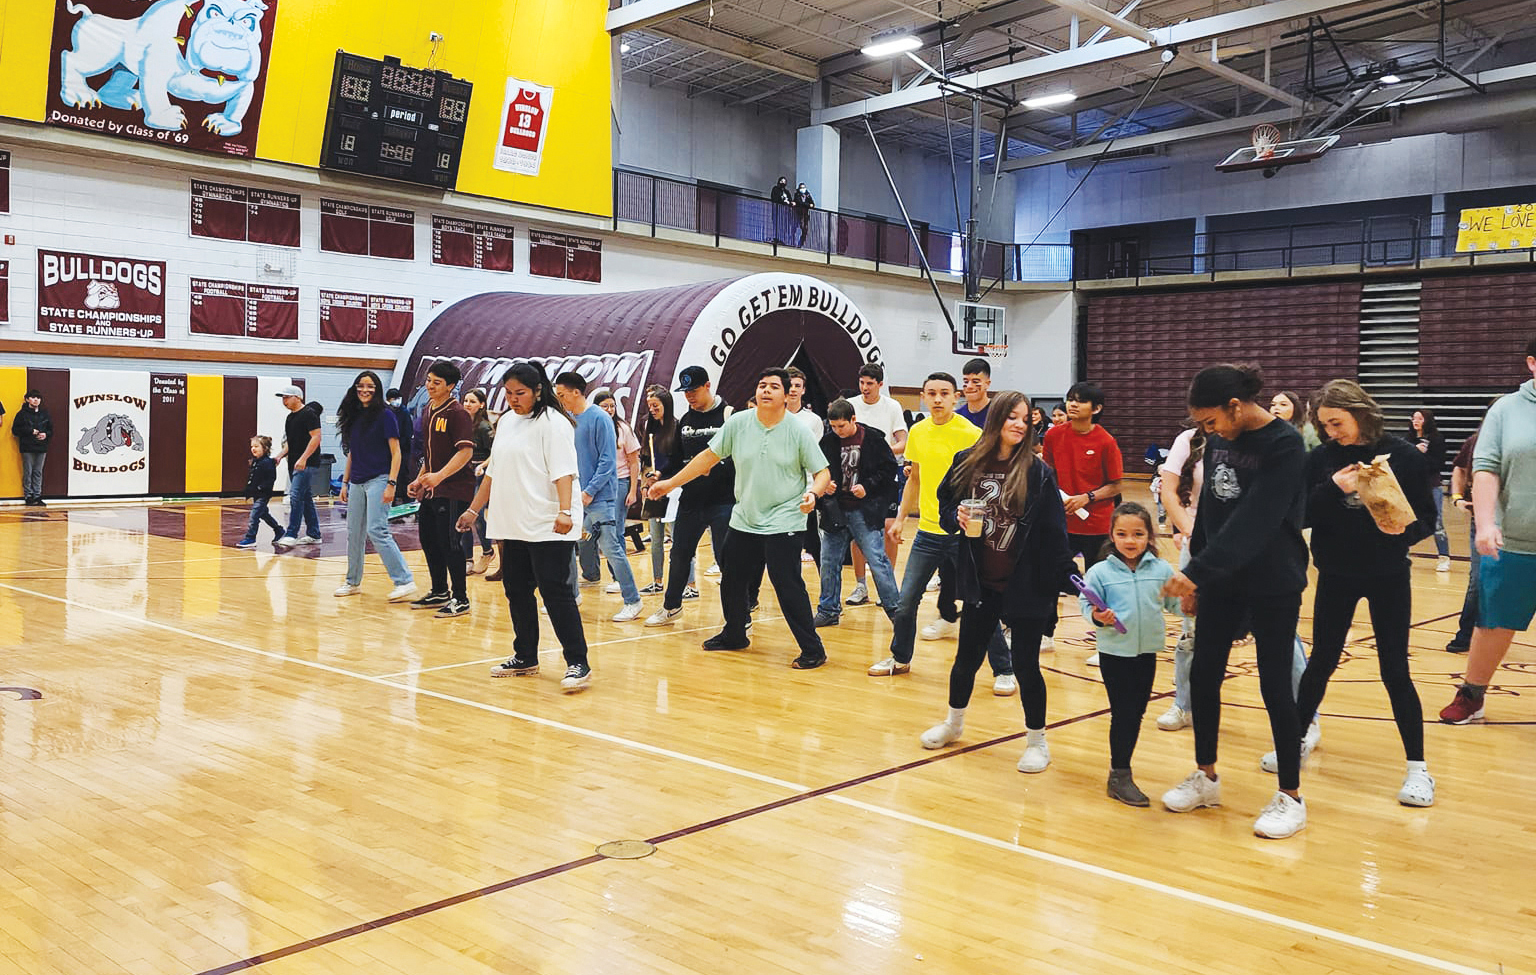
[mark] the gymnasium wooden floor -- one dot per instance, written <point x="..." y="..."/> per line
<point x="228" y="769"/>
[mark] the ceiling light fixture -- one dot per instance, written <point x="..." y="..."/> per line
<point x="623" y="48"/>
<point x="1391" y="79"/>
<point x="1047" y="101"/>
<point x="888" y="45"/>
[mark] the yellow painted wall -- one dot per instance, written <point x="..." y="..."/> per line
<point x="205" y="427"/>
<point x="560" y="43"/>
<point x="13" y="386"/>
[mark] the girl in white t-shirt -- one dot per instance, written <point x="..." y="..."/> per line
<point x="532" y="506"/>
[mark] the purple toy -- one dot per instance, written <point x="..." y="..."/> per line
<point x="1094" y="599"/>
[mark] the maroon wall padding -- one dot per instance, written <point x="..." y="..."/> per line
<point x="168" y="445"/>
<point x="773" y="340"/>
<point x="1473" y="330"/>
<point x="239" y="427"/>
<point x="1143" y="350"/>
<point x="53" y="384"/>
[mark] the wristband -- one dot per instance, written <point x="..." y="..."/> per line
<point x="390" y="483"/>
<point x="564" y="511"/>
<point x="1090" y="497"/>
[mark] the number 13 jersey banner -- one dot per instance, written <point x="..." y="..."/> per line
<point x="185" y="73"/>
<point x="524" y="124"/>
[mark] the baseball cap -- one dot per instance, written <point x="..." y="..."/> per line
<point x="691" y="378"/>
<point x="291" y="391"/>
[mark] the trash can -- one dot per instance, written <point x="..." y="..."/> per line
<point x="320" y="474"/>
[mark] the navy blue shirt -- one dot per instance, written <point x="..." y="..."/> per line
<point x="368" y="446"/>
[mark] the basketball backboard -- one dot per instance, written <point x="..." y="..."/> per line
<point x="1280" y="154"/>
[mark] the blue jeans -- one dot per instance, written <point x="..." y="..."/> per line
<point x="259" y="514"/>
<point x="1442" y="541"/>
<point x="1468" y="618"/>
<point x="598" y="526"/>
<point x="301" y="506"/>
<point x="368" y="518"/>
<point x="586" y="548"/>
<point x="928" y="552"/>
<point x="870" y="538"/>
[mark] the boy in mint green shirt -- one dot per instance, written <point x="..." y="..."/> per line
<point x="773" y="453"/>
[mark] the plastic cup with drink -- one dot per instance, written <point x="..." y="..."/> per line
<point x="976" y="512"/>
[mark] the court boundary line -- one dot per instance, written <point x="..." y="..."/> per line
<point x="802" y="794"/>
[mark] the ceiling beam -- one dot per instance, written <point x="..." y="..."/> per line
<point x="1187" y="33"/>
<point x="761" y="55"/>
<point x="1001" y="13"/>
<point x="649" y="13"/>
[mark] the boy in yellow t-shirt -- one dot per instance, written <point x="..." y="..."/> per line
<point x="931" y="447"/>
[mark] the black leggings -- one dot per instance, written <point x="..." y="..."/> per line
<point x="1273" y="619"/>
<point x="1389" y="598"/>
<point x="1128" y="681"/>
<point x="978" y="628"/>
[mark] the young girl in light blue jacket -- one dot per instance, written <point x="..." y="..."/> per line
<point x="1130" y="581"/>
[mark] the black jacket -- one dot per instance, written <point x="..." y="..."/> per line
<point x="1345" y="539"/>
<point x="258" y="484"/>
<point x="877" y="472"/>
<point x="779" y="193"/>
<point x="1045" y="562"/>
<point x="29" y="421"/>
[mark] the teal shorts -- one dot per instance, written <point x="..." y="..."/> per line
<point x="1507" y="593"/>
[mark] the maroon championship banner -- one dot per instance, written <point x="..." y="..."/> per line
<point x="5" y="291"/>
<point x="563" y="256"/>
<point x="195" y="77"/>
<point x="359" y="319"/>
<point x="367" y="231"/>
<point x="471" y="243"/>
<point x="244" y="213"/>
<point x="5" y="181"/>
<point x="107" y="297"/>
<point x="257" y="311"/>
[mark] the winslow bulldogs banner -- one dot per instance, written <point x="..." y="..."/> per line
<point x="188" y="73"/>
<point x="524" y="123"/>
<point x="108" y="434"/>
<point x="106" y="297"/>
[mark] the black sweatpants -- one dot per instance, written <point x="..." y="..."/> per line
<point x="435" y="526"/>
<point x="545" y="566"/>
<point x="978" y="628"/>
<point x="1128" y="681"/>
<point x="1273" y="619"/>
<point x="745" y="555"/>
<point x="1389" y="598"/>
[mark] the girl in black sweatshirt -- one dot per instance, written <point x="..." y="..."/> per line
<point x="1357" y="560"/>
<point x="1247" y="559"/>
<point x="258" y="487"/>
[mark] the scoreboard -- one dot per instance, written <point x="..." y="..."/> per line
<point x="395" y="122"/>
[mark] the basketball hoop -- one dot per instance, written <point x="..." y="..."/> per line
<point x="994" y="351"/>
<point x="1265" y="137"/>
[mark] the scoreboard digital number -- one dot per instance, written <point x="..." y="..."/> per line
<point x="395" y="122"/>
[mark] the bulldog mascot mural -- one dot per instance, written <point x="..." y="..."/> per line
<point x="217" y="61"/>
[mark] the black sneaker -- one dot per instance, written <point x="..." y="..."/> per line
<point x="577" y="678"/>
<point x="690" y="592"/>
<point x="826" y="619"/>
<point x="807" y="662"/>
<point x="431" y="600"/>
<point x="450" y="609"/>
<point x="513" y="667"/>
<point x="1457" y="647"/>
<point x="654" y="589"/>
<point x="721" y="642"/>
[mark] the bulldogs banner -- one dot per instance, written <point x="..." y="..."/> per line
<point x="188" y="73"/>
<point x="524" y="124"/>
<point x="91" y="295"/>
<point x="108" y="433"/>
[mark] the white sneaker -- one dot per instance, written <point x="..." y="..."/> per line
<point x="939" y="629"/>
<point x="1283" y="817"/>
<point x="1093" y="661"/>
<point x="613" y="589"/>
<point x="1195" y="791"/>
<point x="287" y="541"/>
<point x="889" y="667"/>
<point x="859" y="596"/>
<point x="346" y="590"/>
<point x="713" y="570"/>
<point x="1006" y="685"/>
<point x="631" y="611"/>
<point x="1444" y="565"/>
<point x="1037" y="755"/>
<point x="939" y="735"/>
<point x="402" y="592"/>
<point x="309" y="540"/>
<point x="1418" y="789"/>
<point x="1309" y="741"/>
<point x="933" y="585"/>
<point x="1173" y="719"/>
<point x="664" y="617"/>
<point x="807" y="557"/>
<point x="1047" y="644"/>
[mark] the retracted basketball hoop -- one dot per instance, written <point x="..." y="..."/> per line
<point x="1268" y="153"/>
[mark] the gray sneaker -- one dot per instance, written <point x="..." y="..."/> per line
<point x="826" y="619"/>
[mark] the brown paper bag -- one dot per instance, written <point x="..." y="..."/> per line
<point x="1384" y="498"/>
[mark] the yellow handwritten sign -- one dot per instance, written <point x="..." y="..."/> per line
<point x="1497" y="228"/>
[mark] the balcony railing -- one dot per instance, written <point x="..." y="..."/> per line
<point x="664" y="203"/>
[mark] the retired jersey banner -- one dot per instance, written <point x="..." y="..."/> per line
<point x="524" y="124"/>
<point x="107" y="297"/>
<point x="1497" y="228"/>
<point x="188" y="73"/>
<point x="108" y="433"/>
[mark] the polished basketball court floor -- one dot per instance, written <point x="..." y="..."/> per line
<point x="229" y="769"/>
